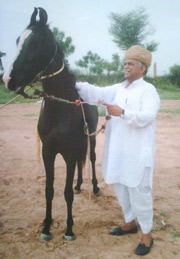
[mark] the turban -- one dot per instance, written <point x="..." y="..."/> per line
<point x="138" y="53"/>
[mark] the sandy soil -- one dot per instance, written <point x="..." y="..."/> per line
<point x="22" y="199"/>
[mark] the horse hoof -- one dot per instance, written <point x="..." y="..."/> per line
<point x="46" y="237"/>
<point x="98" y="193"/>
<point x="69" y="238"/>
<point x="77" y="191"/>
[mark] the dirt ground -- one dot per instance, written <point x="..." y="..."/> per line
<point x="22" y="201"/>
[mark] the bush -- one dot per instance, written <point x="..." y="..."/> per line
<point x="6" y="95"/>
<point x="101" y="80"/>
<point x="161" y="82"/>
<point x="174" y="75"/>
<point x="164" y="86"/>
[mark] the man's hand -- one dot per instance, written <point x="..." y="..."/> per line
<point x="112" y="109"/>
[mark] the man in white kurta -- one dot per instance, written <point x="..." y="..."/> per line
<point x="128" y="158"/>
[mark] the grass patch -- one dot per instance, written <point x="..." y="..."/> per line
<point x="169" y="95"/>
<point x="176" y="111"/>
<point x="164" y="213"/>
<point x="6" y="95"/>
<point x="168" y="92"/>
<point x="5" y="116"/>
<point x="30" y="115"/>
<point x="101" y="111"/>
<point x="176" y="234"/>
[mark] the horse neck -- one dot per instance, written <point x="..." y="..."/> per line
<point x="61" y="85"/>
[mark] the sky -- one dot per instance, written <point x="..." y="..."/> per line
<point x="88" y="22"/>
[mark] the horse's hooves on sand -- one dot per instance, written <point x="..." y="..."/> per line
<point x="69" y="238"/>
<point x="77" y="191"/>
<point x="46" y="237"/>
<point x="97" y="193"/>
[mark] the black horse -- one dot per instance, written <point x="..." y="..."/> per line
<point x="61" y="125"/>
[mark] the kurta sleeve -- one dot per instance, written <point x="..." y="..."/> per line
<point x="150" y="104"/>
<point x="91" y="93"/>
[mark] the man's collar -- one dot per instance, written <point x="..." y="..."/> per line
<point x="135" y="82"/>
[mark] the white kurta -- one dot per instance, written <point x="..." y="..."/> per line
<point x="130" y="141"/>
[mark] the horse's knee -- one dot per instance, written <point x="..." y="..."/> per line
<point x="69" y="195"/>
<point x="49" y="191"/>
<point x="93" y="156"/>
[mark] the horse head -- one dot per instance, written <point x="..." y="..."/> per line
<point x="35" y="49"/>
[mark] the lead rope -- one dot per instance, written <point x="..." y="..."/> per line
<point x="88" y="149"/>
<point x="89" y="158"/>
<point x="86" y="130"/>
<point x="34" y="84"/>
<point x="16" y="97"/>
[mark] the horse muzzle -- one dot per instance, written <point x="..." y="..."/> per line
<point x="6" y="78"/>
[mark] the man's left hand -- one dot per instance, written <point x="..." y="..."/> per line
<point x="112" y="109"/>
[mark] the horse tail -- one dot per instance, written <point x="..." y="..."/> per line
<point x="38" y="144"/>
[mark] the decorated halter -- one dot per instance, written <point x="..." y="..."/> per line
<point x="40" y="76"/>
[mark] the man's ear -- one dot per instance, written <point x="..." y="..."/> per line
<point x="143" y="69"/>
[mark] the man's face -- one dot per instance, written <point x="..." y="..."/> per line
<point x="133" y="70"/>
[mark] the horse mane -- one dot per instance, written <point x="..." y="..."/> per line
<point x="69" y="76"/>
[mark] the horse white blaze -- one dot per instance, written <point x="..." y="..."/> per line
<point x="6" y="76"/>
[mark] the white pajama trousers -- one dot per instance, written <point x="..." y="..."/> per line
<point x="137" y="204"/>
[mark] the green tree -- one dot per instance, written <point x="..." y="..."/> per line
<point x="174" y="75"/>
<point x="93" y="62"/>
<point x="114" y="65"/>
<point x="64" y="42"/>
<point x="132" y="29"/>
<point x="84" y="62"/>
<point x="96" y="65"/>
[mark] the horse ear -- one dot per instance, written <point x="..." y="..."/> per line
<point x="33" y="17"/>
<point x="43" y="16"/>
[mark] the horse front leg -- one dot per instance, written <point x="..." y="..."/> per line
<point x="49" y="158"/>
<point x="69" y="197"/>
<point x="96" y="189"/>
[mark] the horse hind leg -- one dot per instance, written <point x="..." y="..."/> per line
<point x="77" y="188"/>
<point x="69" y="197"/>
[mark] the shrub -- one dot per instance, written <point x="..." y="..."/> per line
<point x="161" y="82"/>
<point x="174" y="75"/>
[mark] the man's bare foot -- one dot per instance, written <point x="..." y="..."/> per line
<point x="146" y="239"/>
<point x="129" y="226"/>
<point x="145" y="245"/>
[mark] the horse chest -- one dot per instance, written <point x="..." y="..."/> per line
<point x="60" y="130"/>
